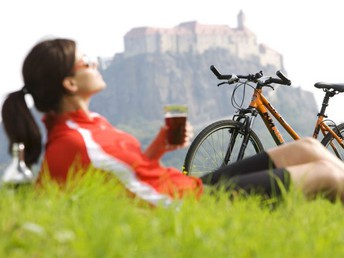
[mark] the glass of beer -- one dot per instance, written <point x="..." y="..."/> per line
<point x="175" y="120"/>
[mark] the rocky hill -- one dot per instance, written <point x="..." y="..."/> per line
<point x="140" y="85"/>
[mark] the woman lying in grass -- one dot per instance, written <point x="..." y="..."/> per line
<point x="62" y="81"/>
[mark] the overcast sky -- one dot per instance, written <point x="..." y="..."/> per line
<point x="307" y="33"/>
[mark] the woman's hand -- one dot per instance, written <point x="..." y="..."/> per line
<point x="160" y="144"/>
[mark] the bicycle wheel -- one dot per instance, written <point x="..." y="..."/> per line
<point x="208" y="150"/>
<point x="332" y="144"/>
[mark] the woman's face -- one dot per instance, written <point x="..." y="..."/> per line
<point x="87" y="76"/>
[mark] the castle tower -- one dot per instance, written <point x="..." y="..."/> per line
<point x="241" y="20"/>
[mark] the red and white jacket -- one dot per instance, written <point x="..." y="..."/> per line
<point x="94" y="141"/>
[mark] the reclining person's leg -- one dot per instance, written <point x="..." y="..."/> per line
<point x="305" y="162"/>
<point x="259" y="162"/>
<point x="321" y="176"/>
<point x="301" y="152"/>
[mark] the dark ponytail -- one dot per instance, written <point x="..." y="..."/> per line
<point x="44" y="69"/>
<point x="20" y="126"/>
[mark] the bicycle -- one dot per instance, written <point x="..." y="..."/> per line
<point x="225" y="141"/>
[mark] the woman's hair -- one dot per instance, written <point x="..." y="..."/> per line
<point x="44" y="70"/>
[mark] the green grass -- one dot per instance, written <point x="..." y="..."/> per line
<point x="94" y="218"/>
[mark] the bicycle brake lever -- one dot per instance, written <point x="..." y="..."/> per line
<point x="265" y="82"/>
<point x="221" y="83"/>
<point x="268" y="85"/>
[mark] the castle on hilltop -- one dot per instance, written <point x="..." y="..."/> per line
<point x="197" y="38"/>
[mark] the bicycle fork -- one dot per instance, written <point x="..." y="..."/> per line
<point x="244" y="129"/>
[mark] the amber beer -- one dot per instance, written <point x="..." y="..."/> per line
<point x="175" y="120"/>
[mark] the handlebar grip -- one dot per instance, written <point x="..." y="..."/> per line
<point x="218" y="75"/>
<point x="285" y="80"/>
<point x="278" y="81"/>
<point x="215" y="71"/>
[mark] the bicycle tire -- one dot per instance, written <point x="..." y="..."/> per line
<point x="339" y="150"/>
<point x="206" y="152"/>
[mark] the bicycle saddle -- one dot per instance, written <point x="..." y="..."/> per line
<point x="335" y="86"/>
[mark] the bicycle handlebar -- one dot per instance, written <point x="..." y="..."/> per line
<point x="218" y="75"/>
<point x="282" y="79"/>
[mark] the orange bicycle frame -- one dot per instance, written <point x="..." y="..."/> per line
<point x="324" y="128"/>
<point x="263" y="106"/>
